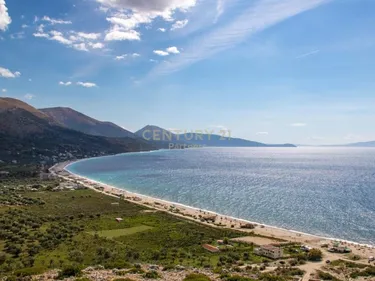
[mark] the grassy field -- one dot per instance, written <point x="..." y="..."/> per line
<point x="60" y="228"/>
<point x="113" y="233"/>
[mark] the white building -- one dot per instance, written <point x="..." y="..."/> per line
<point x="269" y="251"/>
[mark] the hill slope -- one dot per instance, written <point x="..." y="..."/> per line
<point x="77" y="121"/>
<point x="27" y="135"/>
<point x="160" y="135"/>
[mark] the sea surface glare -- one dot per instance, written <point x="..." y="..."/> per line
<point x="323" y="191"/>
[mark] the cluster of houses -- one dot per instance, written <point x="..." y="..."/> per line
<point x="269" y="251"/>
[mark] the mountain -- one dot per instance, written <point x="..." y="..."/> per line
<point x="77" y="121"/>
<point x="362" y="144"/>
<point x="159" y="135"/>
<point x="28" y="135"/>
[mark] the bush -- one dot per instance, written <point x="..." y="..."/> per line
<point x="69" y="271"/>
<point x="326" y="276"/>
<point x="238" y="278"/>
<point x="151" y="275"/>
<point x="196" y="277"/>
<point x="315" y="255"/>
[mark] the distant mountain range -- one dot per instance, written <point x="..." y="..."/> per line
<point x="361" y="144"/>
<point x="54" y="134"/>
<point x="160" y="135"/>
<point x="356" y="144"/>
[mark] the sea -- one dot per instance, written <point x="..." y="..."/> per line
<point x="329" y="192"/>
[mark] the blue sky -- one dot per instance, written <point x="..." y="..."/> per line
<point x="276" y="71"/>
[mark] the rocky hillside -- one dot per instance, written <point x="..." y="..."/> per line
<point x="77" y="121"/>
<point x="28" y="135"/>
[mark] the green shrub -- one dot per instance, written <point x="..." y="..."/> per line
<point x="69" y="271"/>
<point x="315" y="255"/>
<point x="326" y="276"/>
<point x="238" y="278"/>
<point x="196" y="277"/>
<point x="151" y="275"/>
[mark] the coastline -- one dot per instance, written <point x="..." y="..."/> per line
<point x="196" y="214"/>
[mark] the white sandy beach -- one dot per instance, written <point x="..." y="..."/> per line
<point x="218" y="220"/>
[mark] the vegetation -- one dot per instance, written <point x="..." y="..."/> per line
<point x="326" y="276"/>
<point x="42" y="229"/>
<point x="315" y="255"/>
<point x="151" y="275"/>
<point x="196" y="277"/>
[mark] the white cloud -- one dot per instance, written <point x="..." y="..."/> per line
<point x="58" y="36"/>
<point x="24" y="26"/>
<point x="65" y="83"/>
<point x="121" y="35"/>
<point x="41" y="35"/>
<point x="89" y="36"/>
<point x="6" y="73"/>
<point x="97" y="45"/>
<point x="29" y="96"/>
<point x="4" y="90"/>
<point x="161" y="29"/>
<point x="167" y="52"/>
<point x="173" y="50"/>
<point x="77" y="40"/>
<point x="5" y="19"/>
<point x="53" y="21"/>
<point x="262" y="133"/>
<point x="152" y="60"/>
<point x="308" y="54"/>
<point x="130" y="22"/>
<point x="261" y="15"/>
<point x="219" y="9"/>
<point x="179" y="24"/>
<point x="161" y="53"/>
<point x="80" y="47"/>
<point x="122" y="57"/>
<point x="87" y="84"/>
<point x="163" y="8"/>
<point x="30" y="80"/>
<point x="131" y="13"/>
<point x="298" y="125"/>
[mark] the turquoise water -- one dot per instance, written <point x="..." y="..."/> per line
<point x="322" y="191"/>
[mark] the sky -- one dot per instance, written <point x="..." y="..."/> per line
<point x="275" y="71"/>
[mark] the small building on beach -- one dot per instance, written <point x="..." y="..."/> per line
<point x="269" y="251"/>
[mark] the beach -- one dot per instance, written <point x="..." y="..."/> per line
<point x="270" y="234"/>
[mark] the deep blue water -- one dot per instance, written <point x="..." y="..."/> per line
<point x="322" y="191"/>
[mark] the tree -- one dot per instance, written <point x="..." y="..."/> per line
<point x="76" y="256"/>
<point x="315" y="255"/>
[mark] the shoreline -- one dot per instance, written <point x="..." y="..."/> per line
<point x="196" y="214"/>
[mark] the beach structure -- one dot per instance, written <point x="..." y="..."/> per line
<point x="209" y="217"/>
<point x="306" y="248"/>
<point x="339" y="249"/>
<point x="269" y="251"/>
<point x="211" y="248"/>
